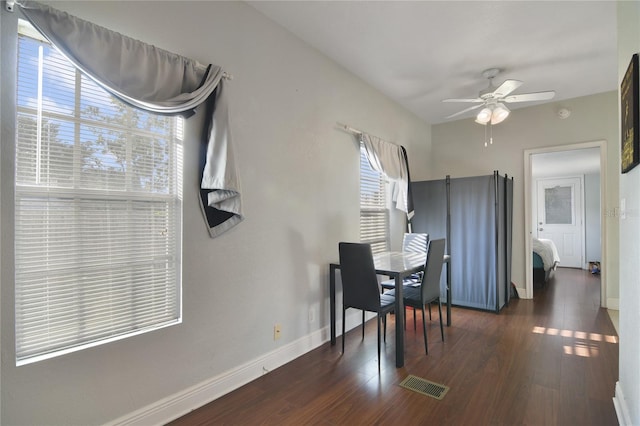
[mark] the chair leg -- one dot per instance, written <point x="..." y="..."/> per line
<point x="414" y="319"/>
<point x="440" y="312"/>
<point x="363" y="312"/>
<point x="424" y="331"/>
<point x="344" y="321"/>
<point x="384" y="322"/>
<point x="378" y="342"/>
<point x="429" y="311"/>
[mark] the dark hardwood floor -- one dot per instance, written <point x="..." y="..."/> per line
<point x="552" y="360"/>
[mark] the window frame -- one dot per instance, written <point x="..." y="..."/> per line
<point x="147" y="200"/>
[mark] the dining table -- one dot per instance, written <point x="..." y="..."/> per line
<point x="397" y="265"/>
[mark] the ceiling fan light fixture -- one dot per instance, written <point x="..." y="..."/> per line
<point x="500" y="113"/>
<point x="484" y="116"/>
<point x="491" y="99"/>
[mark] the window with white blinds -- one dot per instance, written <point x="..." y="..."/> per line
<point x="98" y="211"/>
<point x="374" y="216"/>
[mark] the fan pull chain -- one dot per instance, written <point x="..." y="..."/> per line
<point x="485" y="134"/>
<point x="490" y="134"/>
<point x="488" y="129"/>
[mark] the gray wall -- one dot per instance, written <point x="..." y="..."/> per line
<point x="628" y="389"/>
<point x="300" y="195"/>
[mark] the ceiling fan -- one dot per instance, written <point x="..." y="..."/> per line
<point x="492" y="99"/>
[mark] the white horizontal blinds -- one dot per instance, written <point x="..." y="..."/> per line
<point x="97" y="211"/>
<point x="374" y="219"/>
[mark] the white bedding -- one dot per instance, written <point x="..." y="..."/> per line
<point x="547" y="251"/>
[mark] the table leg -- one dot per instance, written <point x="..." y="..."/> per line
<point x="332" y="302"/>
<point x="449" y="293"/>
<point x="399" y="323"/>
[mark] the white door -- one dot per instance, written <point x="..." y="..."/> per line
<point x="560" y="217"/>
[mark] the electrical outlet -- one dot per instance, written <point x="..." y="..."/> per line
<point x="312" y="315"/>
<point x="276" y="332"/>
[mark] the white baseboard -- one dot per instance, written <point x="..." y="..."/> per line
<point x="613" y="304"/>
<point x="522" y="293"/>
<point x="620" y="405"/>
<point x="183" y="402"/>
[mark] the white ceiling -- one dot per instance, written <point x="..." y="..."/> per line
<point x="420" y="52"/>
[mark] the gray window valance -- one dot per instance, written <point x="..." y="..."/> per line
<point x="158" y="81"/>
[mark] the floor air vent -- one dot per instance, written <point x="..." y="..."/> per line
<point x="425" y="387"/>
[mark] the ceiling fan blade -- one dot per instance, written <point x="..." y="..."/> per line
<point x="471" y="108"/>
<point x="507" y="87"/>
<point x="528" y="97"/>
<point x="463" y="100"/>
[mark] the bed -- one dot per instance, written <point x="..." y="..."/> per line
<point x="545" y="260"/>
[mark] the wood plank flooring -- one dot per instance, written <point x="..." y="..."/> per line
<point x="552" y="360"/>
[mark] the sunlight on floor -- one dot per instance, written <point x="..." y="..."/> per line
<point x="583" y="346"/>
<point x="596" y="337"/>
<point x="582" y="349"/>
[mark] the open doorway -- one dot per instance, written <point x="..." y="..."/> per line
<point x="573" y="178"/>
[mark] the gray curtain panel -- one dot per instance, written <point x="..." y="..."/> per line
<point x="431" y="214"/>
<point x="473" y="241"/>
<point x="410" y="208"/>
<point x="158" y="81"/>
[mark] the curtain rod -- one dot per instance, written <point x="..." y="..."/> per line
<point x="349" y="129"/>
<point x="357" y="132"/>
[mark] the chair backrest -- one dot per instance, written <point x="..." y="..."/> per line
<point x="415" y="242"/>
<point x="433" y="270"/>
<point x="359" y="281"/>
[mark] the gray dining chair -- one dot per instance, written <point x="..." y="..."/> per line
<point x="429" y="290"/>
<point x="360" y="287"/>
<point x="414" y="242"/>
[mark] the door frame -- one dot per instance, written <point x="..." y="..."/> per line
<point x="528" y="194"/>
